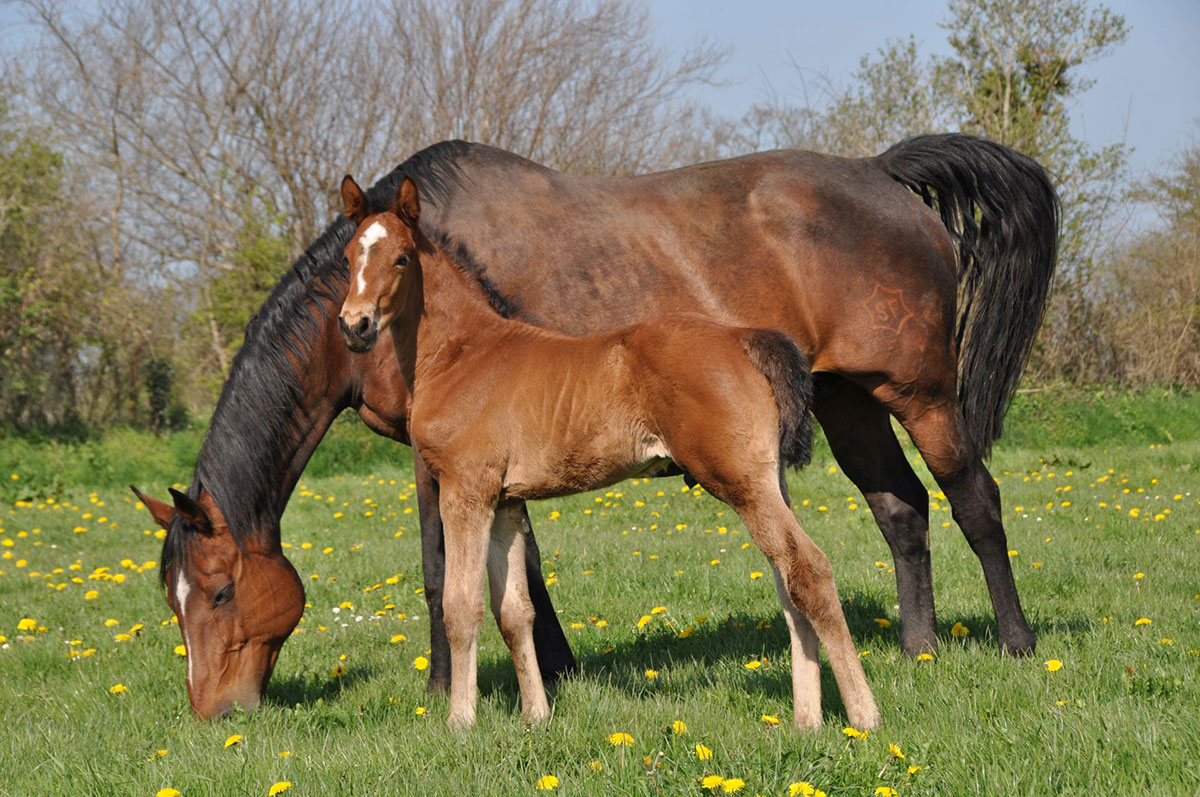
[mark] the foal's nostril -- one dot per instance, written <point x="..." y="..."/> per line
<point x="362" y="327"/>
<point x="343" y="327"/>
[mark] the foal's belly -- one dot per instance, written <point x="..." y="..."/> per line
<point x="580" y="468"/>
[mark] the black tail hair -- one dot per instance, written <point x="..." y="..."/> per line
<point x="1003" y="212"/>
<point x="788" y="373"/>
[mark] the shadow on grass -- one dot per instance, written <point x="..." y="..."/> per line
<point x="742" y="638"/>
<point x="306" y="690"/>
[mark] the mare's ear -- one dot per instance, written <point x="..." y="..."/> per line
<point x="408" y="205"/>
<point x="162" y="513"/>
<point x="353" y="200"/>
<point x="190" y="511"/>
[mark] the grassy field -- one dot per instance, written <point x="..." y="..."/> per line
<point x="1105" y="542"/>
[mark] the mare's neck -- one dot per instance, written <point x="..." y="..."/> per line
<point x="443" y="307"/>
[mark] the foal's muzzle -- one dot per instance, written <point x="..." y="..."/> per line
<point x="359" y="335"/>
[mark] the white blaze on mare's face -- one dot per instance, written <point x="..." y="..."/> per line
<point x="182" y="588"/>
<point x="370" y="236"/>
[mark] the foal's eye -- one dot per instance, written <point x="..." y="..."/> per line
<point x="402" y="261"/>
<point x="223" y="595"/>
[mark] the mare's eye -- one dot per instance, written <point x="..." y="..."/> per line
<point x="223" y="595"/>
<point x="402" y="261"/>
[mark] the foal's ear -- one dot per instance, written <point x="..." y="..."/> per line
<point x="408" y="205"/>
<point x="162" y="513"/>
<point x="190" y="511"/>
<point x="353" y="200"/>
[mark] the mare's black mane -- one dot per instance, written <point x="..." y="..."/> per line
<point x="246" y="451"/>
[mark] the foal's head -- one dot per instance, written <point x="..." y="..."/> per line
<point x="237" y="603"/>
<point x="381" y="252"/>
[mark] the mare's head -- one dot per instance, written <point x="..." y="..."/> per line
<point x="237" y="601"/>
<point x="381" y="252"/>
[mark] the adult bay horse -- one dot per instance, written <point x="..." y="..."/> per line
<point x="914" y="281"/>
<point x="504" y="411"/>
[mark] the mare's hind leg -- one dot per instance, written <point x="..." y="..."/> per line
<point x="513" y="608"/>
<point x="860" y="435"/>
<point x="940" y="434"/>
<point x="554" y="657"/>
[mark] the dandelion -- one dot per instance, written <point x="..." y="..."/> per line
<point x="26" y="624"/>
<point x="232" y="740"/>
<point x="731" y="785"/>
<point x="885" y="791"/>
<point x="398" y="638"/>
<point x="167" y="792"/>
<point x="1143" y="621"/>
<point x="595" y="766"/>
<point x="770" y="719"/>
<point x="752" y="665"/>
<point x="679" y="727"/>
<point x="645" y="618"/>
<point x="547" y="783"/>
<point x="659" y="610"/>
<point x="419" y="711"/>
<point x="895" y="751"/>
<point x="279" y="787"/>
<point x="180" y="650"/>
<point x="883" y="622"/>
<point x="711" y="781"/>
<point x="620" y="739"/>
<point x="959" y="630"/>
<point x="704" y="753"/>
<point x="1053" y="665"/>
<point x="91" y="595"/>
<point x="651" y="674"/>
<point x="914" y="769"/>
<point x="924" y="657"/>
<point x="119" y="689"/>
<point x="285" y="753"/>
<point x="756" y="574"/>
<point x="855" y="733"/>
<point x="420" y="663"/>
<point x="801" y="788"/>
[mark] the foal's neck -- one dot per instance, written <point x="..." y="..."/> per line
<point x="442" y="305"/>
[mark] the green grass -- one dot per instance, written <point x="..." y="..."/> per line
<point x="1119" y="715"/>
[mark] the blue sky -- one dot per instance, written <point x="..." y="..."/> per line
<point x="1146" y="92"/>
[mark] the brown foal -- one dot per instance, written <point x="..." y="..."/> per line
<point x="503" y="412"/>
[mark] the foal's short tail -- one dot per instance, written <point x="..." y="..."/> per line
<point x="788" y="373"/>
<point x="1003" y="213"/>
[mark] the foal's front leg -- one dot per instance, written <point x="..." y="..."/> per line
<point x="513" y="608"/>
<point x="467" y="526"/>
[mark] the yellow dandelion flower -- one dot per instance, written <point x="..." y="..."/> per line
<point x="895" y="751"/>
<point x="711" y="781"/>
<point x="885" y="791"/>
<point x="595" y="766"/>
<point x="1139" y="575"/>
<point x="704" y="753"/>
<point x="645" y="618"/>
<point x="26" y="624"/>
<point x="167" y="792"/>
<point x="730" y="785"/>
<point x="419" y="711"/>
<point x="659" y="610"/>
<point x="620" y="739"/>
<point x="756" y="574"/>
<point x="279" y="787"/>
<point x="855" y="733"/>
<point x="679" y="727"/>
<point x="914" y="769"/>
<point x="285" y="753"/>
<point x="687" y="632"/>
<point x="420" y="663"/>
<point x="1053" y="665"/>
<point x="91" y="595"/>
<point x="924" y="657"/>
<point x="1143" y="621"/>
<point x="652" y="674"/>
<point x="959" y="630"/>
<point x="234" y="739"/>
<point x="752" y="665"/>
<point x="770" y="719"/>
<point x="801" y="788"/>
<point x="883" y="622"/>
<point x="547" y="783"/>
<point x="118" y="689"/>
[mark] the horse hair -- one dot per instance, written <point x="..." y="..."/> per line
<point x="788" y="373"/>
<point x="242" y="462"/>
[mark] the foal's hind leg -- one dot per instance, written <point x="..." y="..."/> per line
<point x="860" y="435"/>
<point x="513" y="608"/>
<point x="940" y="434"/>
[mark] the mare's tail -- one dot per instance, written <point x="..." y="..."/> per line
<point x="1003" y="212"/>
<point x="788" y="373"/>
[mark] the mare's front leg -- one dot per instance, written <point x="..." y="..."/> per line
<point x="512" y="607"/>
<point x="433" y="570"/>
<point x="468" y="523"/>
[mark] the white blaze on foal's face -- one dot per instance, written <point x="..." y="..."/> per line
<point x="372" y="235"/>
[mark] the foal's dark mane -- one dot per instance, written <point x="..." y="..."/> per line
<point x="246" y="452"/>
